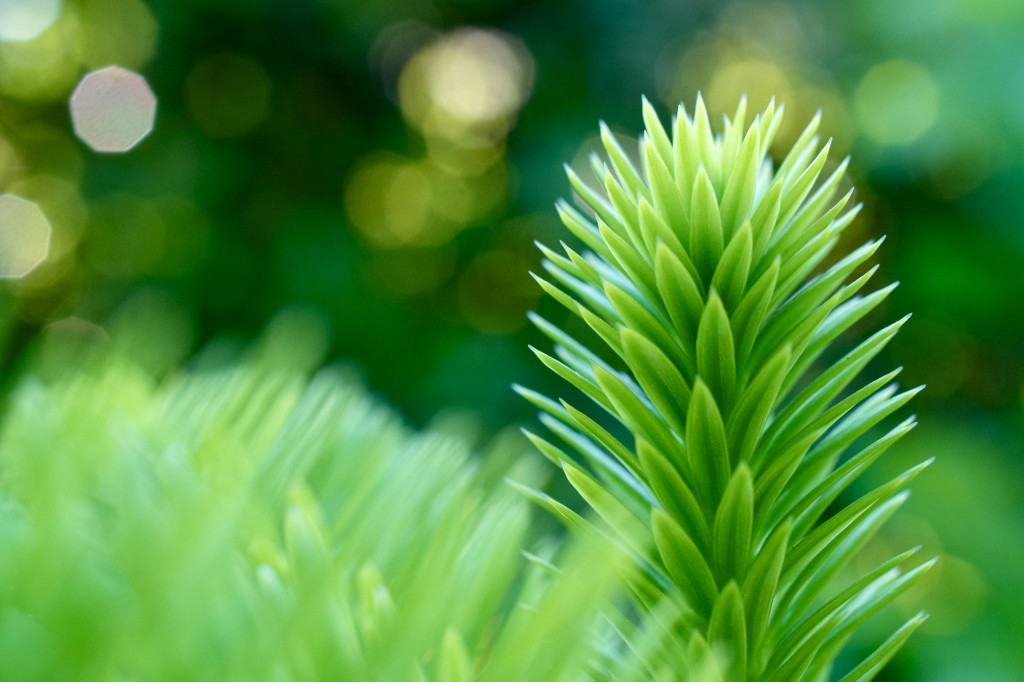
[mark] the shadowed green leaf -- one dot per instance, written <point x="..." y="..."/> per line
<point x="635" y="414"/>
<point x="748" y="419"/>
<point x="763" y="222"/>
<point x="685" y="563"/>
<point x="665" y="479"/>
<point x="750" y="314"/>
<point x="658" y="232"/>
<point x="761" y="581"/>
<point x="716" y="353"/>
<point x="681" y="292"/>
<point x="728" y="629"/>
<point x="706" y="446"/>
<point x="635" y="316"/>
<point x="739" y="190"/>
<point x="706" y="238"/>
<point x="659" y="378"/>
<point x="668" y="205"/>
<point x="734" y="524"/>
<point x="730" y="278"/>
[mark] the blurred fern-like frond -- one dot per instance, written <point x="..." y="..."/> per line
<point x="709" y="282"/>
<point x="243" y="521"/>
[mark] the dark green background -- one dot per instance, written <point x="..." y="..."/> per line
<point x="282" y="127"/>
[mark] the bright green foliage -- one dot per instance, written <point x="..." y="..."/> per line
<point x="710" y="282"/>
<point x="248" y="523"/>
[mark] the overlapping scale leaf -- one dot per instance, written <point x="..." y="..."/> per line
<point x="707" y="275"/>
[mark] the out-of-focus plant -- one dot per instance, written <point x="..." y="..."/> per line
<point x="246" y="522"/>
<point x="708" y="283"/>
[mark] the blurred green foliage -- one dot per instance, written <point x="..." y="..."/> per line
<point x="389" y="164"/>
<point x="248" y="521"/>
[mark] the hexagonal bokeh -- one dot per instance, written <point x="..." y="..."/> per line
<point x="24" y="236"/>
<point x="113" y="109"/>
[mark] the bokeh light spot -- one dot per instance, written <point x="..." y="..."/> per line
<point x="398" y="202"/>
<point x="389" y="201"/>
<point x="467" y="86"/>
<point x="477" y="75"/>
<point x="228" y="94"/>
<point x="26" y="19"/>
<point x="896" y="102"/>
<point x="61" y="202"/>
<point x="113" y="109"/>
<point x="24" y="236"/>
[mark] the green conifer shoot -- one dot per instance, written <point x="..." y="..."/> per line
<point x="709" y="279"/>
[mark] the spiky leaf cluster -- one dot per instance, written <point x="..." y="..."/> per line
<point x="709" y="281"/>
